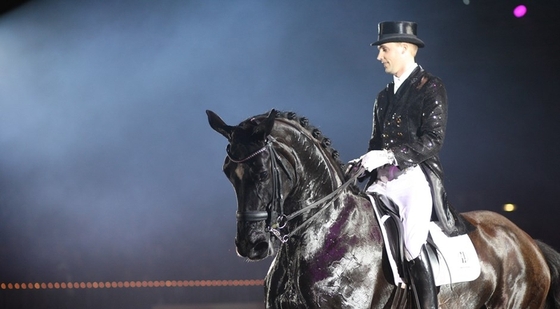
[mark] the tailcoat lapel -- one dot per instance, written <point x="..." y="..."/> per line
<point x="396" y="100"/>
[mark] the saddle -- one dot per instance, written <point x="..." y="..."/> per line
<point x="453" y="259"/>
<point x="393" y="241"/>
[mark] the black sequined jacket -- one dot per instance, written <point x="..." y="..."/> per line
<point x="411" y="123"/>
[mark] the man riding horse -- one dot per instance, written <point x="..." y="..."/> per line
<point x="409" y="121"/>
<point x="293" y="201"/>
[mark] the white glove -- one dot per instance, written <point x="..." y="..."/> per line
<point x="376" y="158"/>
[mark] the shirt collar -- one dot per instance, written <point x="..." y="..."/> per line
<point x="399" y="80"/>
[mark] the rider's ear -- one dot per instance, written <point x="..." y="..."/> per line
<point x="265" y="127"/>
<point x="219" y="125"/>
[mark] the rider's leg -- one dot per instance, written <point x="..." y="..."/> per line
<point x="411" y="192"/>
<point x="423" y="283"/>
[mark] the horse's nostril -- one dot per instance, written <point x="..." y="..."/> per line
<point x="261" y="247"/>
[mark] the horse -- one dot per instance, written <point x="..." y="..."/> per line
<point x="294" y="201"/>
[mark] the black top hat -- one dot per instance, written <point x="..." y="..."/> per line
<point x="397" y="31"/>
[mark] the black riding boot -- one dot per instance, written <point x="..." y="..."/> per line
<point x="423" y="283"/>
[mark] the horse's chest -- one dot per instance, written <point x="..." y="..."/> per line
<point x="333" y="278"/>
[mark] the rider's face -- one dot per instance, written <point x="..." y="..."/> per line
<point x="392" y="57"/>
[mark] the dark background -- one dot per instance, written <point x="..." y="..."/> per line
<point x="110" y="172"/>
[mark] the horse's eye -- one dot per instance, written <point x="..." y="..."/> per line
<point x="263" y="175"/>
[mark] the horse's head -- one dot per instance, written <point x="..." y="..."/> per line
<point x="251" y="166"/>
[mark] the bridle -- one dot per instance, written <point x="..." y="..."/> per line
<point x="276" y="221"/>
<point x="261" y="215"/>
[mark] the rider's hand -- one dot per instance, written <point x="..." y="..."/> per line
<point x="376" y="158"/>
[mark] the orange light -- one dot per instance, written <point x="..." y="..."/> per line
<point x="128" y="284"/>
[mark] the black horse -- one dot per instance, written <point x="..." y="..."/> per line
<point x="291" y="187"/>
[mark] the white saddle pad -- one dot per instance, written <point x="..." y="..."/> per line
<point x="458" y="261"/>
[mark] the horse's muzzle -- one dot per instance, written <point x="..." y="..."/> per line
<point x="254" y="246"/>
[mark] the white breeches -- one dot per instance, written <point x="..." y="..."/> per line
<point x="410" y="191"/>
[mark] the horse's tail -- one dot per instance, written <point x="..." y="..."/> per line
<point x="553" y="260"/>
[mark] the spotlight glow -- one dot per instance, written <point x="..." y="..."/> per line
<point x="509" y="207"/>
<point x="520" y="11"/>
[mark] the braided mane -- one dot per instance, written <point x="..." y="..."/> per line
<point x="312" y="131"/>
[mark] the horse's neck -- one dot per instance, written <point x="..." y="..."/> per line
<point x="350" y="216"/>
<point x="319" y="175"/>
<point x="316" y="170"/>
<point x="318" y="179"/>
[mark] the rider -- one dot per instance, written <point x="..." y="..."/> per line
<point x="409" y="121"/>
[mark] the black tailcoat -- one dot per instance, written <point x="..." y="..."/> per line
<point x="411" y="123"/>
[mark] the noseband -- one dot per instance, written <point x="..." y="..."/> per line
<point x="276" y="222"/>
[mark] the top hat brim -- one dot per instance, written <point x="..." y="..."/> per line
<point x="399" y="38"/>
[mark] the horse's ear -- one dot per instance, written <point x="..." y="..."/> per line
<point x="219" y="125"/>
<point x="265" y="127"/>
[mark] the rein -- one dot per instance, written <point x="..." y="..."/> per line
<point x="281" y="220"/>
<point x="326" y="201"/>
